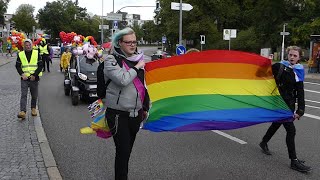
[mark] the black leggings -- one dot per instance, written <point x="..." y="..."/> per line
<point x="46" y="60"/>
<point x="291" y="132"/>
<point x="124" y="130"/>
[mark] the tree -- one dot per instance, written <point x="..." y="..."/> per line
<point x="3" y="10"/>
<point x="24" y="19"/>
<point x="59" y="16"/>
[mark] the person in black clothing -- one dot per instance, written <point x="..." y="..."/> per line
<point x="291" y="89"/>
<point x="29" y="67"/>
<point x="318" y="61"/>
<point x="44" y="50"/>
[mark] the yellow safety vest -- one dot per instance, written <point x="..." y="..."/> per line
<point x="29" y="68"/>
<point x="43" y="50"/>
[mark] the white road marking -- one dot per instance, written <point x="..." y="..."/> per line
<point x="312" y="91"/>
<point x="312" y="116"/>
<point x="312" y="83"/>
<point x="229" y="137"/>
<point x="313" y="107"/>
<point x="312" y="101"/>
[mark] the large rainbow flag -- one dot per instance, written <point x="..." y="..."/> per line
<point x="212" y="90"/>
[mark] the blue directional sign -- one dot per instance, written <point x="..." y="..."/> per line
<point x="180" y="50"/>
<point x="164" y="39"/>
<point x="115" y="24"/>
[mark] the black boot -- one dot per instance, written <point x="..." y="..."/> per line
<point x="264" y="147"/>
<point x="299" y="166"/>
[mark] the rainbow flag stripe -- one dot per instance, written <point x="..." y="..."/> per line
<point x="212" y="90"/>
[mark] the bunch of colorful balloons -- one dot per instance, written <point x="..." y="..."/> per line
<point x="39" y="40"/>
<point x="16" y="40"/>
<point x="75" y="39"/>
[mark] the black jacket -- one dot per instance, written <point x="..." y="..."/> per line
<point x="28" y="55"/>
<point x="290" y="90"/>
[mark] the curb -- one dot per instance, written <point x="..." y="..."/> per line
<point x="49" y="161"/>
<point x="5" y="63"/>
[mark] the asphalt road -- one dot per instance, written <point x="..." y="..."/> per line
<point x="176" y="156"/>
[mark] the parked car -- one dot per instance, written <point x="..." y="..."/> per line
<point x="160" y="55"/>
<point x="81" y="80"/>
<point x="56" y="50"/>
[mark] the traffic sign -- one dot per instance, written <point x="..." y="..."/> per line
<point x="104" y="26"/>
<point x="180" y="50"/>
<point x="202" y="39"/>
<point x="185" y="6"/>
<point x="229" y="33"/>
<point x="114" y="17"/>
<point x="115" y="24"/>
<point x="284" y="33"/>
<point x="164" y="39"/>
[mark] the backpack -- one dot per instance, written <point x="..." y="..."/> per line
<point x="101" y="83"/>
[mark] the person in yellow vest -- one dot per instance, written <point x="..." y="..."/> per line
<point x="29" y="66"/>
<point x="45" y="54"/>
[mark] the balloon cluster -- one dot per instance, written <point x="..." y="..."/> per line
<point x="39" y="40"/>
<point x="75" y="39"/>
<point x="88" y="50"/>
<point x="16" y="40"/>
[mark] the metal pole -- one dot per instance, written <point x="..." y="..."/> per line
<point x="229" y="43"/>
<point x="102" y="24"/>
<point x="282" y="48"/>
<point x="162" y="45"/>
<point x="180" y="24"/>
<point x="112" y="21"/>
<point x="201" y="47"/>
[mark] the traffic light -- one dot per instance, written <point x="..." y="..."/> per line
<point x="157" y="10"/>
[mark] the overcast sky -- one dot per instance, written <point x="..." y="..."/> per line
<point x="95" y="6"/>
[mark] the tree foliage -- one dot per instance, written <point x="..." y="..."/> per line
<point x="258" y="22"/>
<point x="3" y="9"/>
<point x="24" y="18"/>
<point x="59" y="16"/>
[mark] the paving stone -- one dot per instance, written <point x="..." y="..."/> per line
<point x="20" y="154"/>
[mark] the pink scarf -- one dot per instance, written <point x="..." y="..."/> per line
<point x="136" y="57"/>
<point x="138" y="84"/>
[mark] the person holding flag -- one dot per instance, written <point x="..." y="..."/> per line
<point x="289" y="76"/>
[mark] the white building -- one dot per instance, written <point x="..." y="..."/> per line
<point x="5" y="29"/>
<point x="134" y="19"/>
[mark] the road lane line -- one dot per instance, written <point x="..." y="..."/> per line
<point x="311" y="91"/>
<point x="312" y="101"/>
<point x="312" y="116"/>
<point x="312" y="83"/>
<point x="229" y="137"/>
<point x="313" y="107"/>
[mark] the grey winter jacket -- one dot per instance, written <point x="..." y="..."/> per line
<point x="121" y="94"/>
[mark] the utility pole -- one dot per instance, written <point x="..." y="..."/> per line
<point x="180" y="24"/>
<point x="283" y="35"/>
<point x="102" y="24"/>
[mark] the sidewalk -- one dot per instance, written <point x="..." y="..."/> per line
<point x="311" y="76"/>
<point x="24" y="149"/>
<point x="5" y="60"/>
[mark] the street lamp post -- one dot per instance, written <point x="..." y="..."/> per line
<point x="283" y="34"/>
<point x="102" y="23"/>
<point x="180" y="23"/>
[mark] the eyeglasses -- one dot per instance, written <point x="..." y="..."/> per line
<point x="130" y="43"/>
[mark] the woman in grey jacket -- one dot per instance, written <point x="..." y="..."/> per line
<point x="127" y="99"/>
